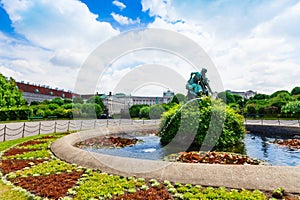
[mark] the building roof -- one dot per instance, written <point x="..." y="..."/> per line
<point x="44" y="90"/>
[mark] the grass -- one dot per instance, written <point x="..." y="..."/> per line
<point x="6" y="193"/>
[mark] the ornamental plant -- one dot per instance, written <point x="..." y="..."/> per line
<point x="202" y="116"/>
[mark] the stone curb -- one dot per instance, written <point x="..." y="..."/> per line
<point x="233" y="176"/>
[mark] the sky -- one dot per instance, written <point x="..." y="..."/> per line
<point x="254" y="44"/>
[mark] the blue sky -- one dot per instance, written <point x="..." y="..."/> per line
<point x="254" y="44"/>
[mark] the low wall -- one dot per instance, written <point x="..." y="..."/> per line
<point x="232" y="176"/>
<point x="274" y="130"/>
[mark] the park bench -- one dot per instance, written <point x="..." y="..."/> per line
<point x="35" y="117"/>
<point x="51" y="117"/>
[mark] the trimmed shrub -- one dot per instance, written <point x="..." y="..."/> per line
<point x="144" y="112"/>
<point x="202" y="117"/>
<point x="156" y="111"/>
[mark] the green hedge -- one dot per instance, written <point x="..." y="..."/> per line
<point x="14" y="113"/>
<point x="195" y="117"/>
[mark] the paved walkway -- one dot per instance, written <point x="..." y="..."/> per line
<point x="232" y="176"/>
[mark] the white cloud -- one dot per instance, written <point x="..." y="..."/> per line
<point x="59" y="37"/>
<point x="251" y="51"/>
<point x="123" y="20"/>
<point x="119" y="4"/>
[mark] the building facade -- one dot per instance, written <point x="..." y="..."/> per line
<point x="32" y="92"/>
<point x="245" y="95"/>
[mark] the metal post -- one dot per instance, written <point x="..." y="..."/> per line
<point x="23" y="133"/>
<point x="131" y="121"/>
<point x="278" y="121"/>
<point x="68" y="126"/>
<point x="55" y="127"/>
<point x="120" y="122"/>
<point x="299" y="122"/>
<point x="262" y="121"/>
<point x="143" y="121"/>
<point x="95" y="124"/>
<point x="107" y="123"/>
<point x="81" y="125"/>
<point x="40" y="127"/>
<point x="4" y="134"/>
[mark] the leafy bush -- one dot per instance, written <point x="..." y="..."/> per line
<point x="144" y="112"/>
<point x="156" y="111"/>
<point x="292" y="108"/>
<point x="15" y="113"/>
<point x="53" y="106"/>
<point x="134" y="110"/>
<point x="202" y="117"/>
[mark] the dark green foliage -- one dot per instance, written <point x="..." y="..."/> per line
<point x="53" y="106"/>
<point x="295" y="91"/>
<point x="178" y="98"/>
<point x="275" y="94"/>
<point x="134" y="110"/>
<point x="15" y="113"/>
<point x="144" y="112"/>
<point x="97" y="100"/>
<point x="59" y="101"/>
<point x="260" y="97"/>
<point x="88" y="110"/>
<point x="9" y="93"/>
<point x="34" y="103"/>
<point x="68" y="101"/>
<point x="202" y="117"/>
<point x="156" y="111"/>
<point x="226" y="97"/>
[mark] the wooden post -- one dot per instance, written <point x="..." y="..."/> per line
<point x="55" y="127"/>
<point x="40" y="127"/>
<point x="4" y="134"/>
<point x="68" y="129"/>
<point x="23" y="133"/>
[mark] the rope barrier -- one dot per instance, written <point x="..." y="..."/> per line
<point x="27" y="131"/>
<point x="14" y="129"/>
<point x="47" y="126"/>
<point x="15" y="134"/>
<point x="51" y="129"/>
<point x="61" y="124"/>
<point x="31" y="126"/>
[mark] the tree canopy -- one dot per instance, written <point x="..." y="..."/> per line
<point x="9" y="93"/>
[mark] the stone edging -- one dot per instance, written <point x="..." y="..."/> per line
<point x="232" y="176"/>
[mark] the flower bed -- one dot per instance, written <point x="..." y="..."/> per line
<point x="212" y="158"/>
<point x="44" y="176"/>
<point x="291" y="143"/>
<point x="107" y="141"/>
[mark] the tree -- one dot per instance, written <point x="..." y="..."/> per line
<point x="178" y="98"/>
<point x="59" y="101"/>
<point x="156" y="111"/>
<point x="292" y="108"/>
<point x="275" y="94"/>
<point x="97" y="100"/>
<point x="9" y="93"/>
<point x="134" y="110"/>
<point x="295" y="91"/>
<point x="260" y="97"/>
<point x="226" y="97"/>
<point x="144" y="112"/>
